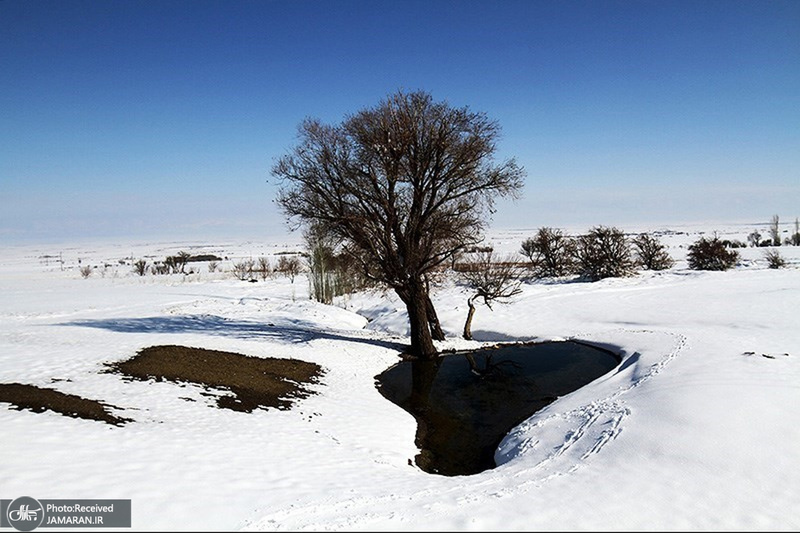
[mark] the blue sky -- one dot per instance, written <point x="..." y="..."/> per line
<point x="163" y="118"/>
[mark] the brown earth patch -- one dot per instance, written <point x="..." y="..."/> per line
<point x="253" y="381"/>
<point x="38" y="400"/>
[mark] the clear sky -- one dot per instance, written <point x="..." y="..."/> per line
<point x="163" y="118"/>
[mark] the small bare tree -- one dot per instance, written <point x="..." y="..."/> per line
<point x="491" y="280"/>
<point x="289" y="267"/>
<point x="651" y="254"/>
<point x="550" y="253"/>
<point x="263" y="268"/>
<point x="243" y="270"/>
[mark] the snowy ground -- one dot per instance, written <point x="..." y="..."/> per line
<point x="697" y="429"/>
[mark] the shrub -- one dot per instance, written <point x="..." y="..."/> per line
<point x="728" y="243"/>
<point x="774" y="259"/>
<point x="177" y="263"/>
<point x="213" y="266"/>
<point x="243" y="270"/>
<point x="140" y="267"/>
<point x="289" y="267"/>
<point x="202" y="258"/>
<point x="754" y="239"/>
<point x="603" y="253"/>
<point x="651" y="254"/>
<point x="711" y="254"/>
<point x="263" y="268"/>
<point x="550" y="253"/>
<point x="160" y="268"/>
<point x="86" y="271"/>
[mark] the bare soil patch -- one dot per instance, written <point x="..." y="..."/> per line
<point x="38" y="400"/>
<point x="253" y="382"/>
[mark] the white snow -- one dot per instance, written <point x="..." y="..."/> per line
<point x="698" y="428"/>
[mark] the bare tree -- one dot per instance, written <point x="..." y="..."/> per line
<point x="263" y="268"/>
<point x="550" y="253"/>
<point x="321" y="262"/>
<point x="289" y="267"/>
<point x="404" y="185"/>
<point x="795" y="239"/>
<point x="243" y="270"/>
<point x="651" y="253"/>
<point x="604" y="253"/>
<point x="490" y="279"/>
<point x="774" y="230"/>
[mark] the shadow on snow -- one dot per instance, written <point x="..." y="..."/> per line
<point x="294" y="331"/>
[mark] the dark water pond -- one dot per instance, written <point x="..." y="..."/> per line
<point x="465" y="403"/>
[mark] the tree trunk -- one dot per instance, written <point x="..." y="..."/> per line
<point x="415" y="296"/>
<point x="433" y="320"/>
<point x="468" y="323"/>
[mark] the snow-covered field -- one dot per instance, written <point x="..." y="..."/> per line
<point x="699" y="427"/>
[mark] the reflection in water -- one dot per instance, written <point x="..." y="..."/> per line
<point x="466" y="403"/>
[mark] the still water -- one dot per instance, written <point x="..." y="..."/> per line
<point x="465" y="403"/>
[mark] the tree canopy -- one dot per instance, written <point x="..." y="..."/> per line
<point x="403" y="186"/>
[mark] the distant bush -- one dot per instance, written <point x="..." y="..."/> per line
<point x="263" y="268"/>
<point x="201" y="258"/>
<point x="651" y="254"/>
<point x="289" y="267"/>
<point x="603" y="253"/>
<point x="86" y="271"/>
<point x="754" y="239"/>
<point x="160" y="268"/>
<point x="177" y="263"/>
<point x="243" y="270"/>
<point x="550" y="252"/>
<point x="711" y="254"/>
<point x="728" y="243"/>
<point x="140" y="267"/>
<point x="774" y="259"/>
<point x="213" y="266"/>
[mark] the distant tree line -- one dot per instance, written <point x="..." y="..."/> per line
<point x="602" y="252"/>
<point x="774" y="239"/>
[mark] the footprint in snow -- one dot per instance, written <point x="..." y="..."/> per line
<point x="767" y="355"/>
